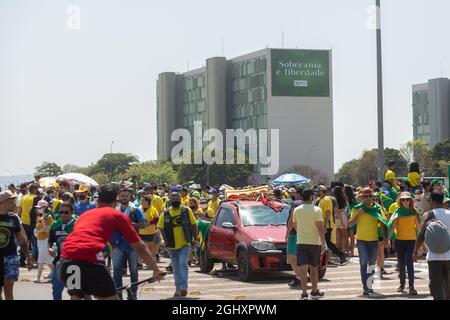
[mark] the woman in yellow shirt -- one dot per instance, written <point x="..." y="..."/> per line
<point x="150" y="235"/>
<point x="406" y="221"/>
<point x="414" y="177"/>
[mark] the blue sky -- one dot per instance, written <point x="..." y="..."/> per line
<point x="66" y="94"/>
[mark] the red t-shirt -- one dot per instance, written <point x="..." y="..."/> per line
<point x="93" y="230"/>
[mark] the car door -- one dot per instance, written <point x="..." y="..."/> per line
<point x="224" y="237"/>
<point x="214" y="242"/>
<point x="229" y="235"/>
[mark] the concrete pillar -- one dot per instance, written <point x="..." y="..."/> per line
<point x="167" y="105"/>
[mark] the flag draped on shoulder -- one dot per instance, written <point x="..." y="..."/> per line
<point x="374" y="211"/>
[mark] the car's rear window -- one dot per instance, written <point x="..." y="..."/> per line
<point x="263" y="216"/>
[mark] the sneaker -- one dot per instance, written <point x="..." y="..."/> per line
<point x="383" y="271"/>
<point x="37" y="281"/>
<point x="317" y="294"/>
<point x="294" y="283"/>
<point x="183" y="292"/>
<point x="177" y="293"/>
<point x="370" y="290"/>
<point x="412" y="292"/>
<point x="401" y="288"/>
<point x="343" y="259"/>
<point x="366" y="292"/>
<point x="304" y="296"/>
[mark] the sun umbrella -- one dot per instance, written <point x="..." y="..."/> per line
<point x="77" y="178"/>
<point x="47" y="182"/>
<point x="291" y="178"/>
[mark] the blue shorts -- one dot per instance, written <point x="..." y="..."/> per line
<point x="11" y="267"/>
<point x="292" y="245"/>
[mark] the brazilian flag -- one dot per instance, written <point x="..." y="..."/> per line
<point x="375" y="211"/>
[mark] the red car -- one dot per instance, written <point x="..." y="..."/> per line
<point x="251" y="235"/>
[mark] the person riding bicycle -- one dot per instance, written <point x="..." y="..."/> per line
<point x="82" y="266"/>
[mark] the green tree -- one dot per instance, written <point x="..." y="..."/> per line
<point x="113" y="165"/>
<point x="441" y="151"/>
<point x="348" y="172"/>
<point x="235" y="175"/>
<point x="418" y="151"/>
<point x="152" y="171"/>
<point x="360" y="171"/>
<point x="71" y="168"/>
<point x="368" y="167"/>
<point x="401" y="165"/>
<point x="100" y="178"/>
<point x="48" y="169"/>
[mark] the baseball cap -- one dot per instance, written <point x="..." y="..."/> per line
<point x="196" y="194"/>
<point x="41" y="204"/>
<point x="6" y="195"/>
<point x="405" y="195"/>
<point x="213" y="190"/>
<point x="82" y="189"/>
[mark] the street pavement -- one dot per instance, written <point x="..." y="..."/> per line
<point x="341" y="282"/>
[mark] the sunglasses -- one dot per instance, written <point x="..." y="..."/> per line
<point x="404" y="200"/>
<point x="64" y="212"/>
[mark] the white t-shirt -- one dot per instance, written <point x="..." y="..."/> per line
<point x="442" y="215"/>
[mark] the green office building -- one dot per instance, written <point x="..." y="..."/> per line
<point x="285" y="89"/>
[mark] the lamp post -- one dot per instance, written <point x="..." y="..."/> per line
<point x="379" y="94"/>
<point x="110" y="149"/>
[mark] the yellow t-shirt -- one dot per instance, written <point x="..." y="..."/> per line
<point x="209" y="212"/>
<point x="185" y="201"/>
<point x="149" y="215"/>
<point x="157" y="203"/>
<point x="413" y="176"/>
<point x="214" y="204"/>
<point x="406" y="228"/>
<point x="305" y="217"/>
<point x="367" y="229"/>
<point x="326" y="204"/>
<point x="178" y="233"/>
<point x="26" y="204"/>
<point x="390" y="176"/>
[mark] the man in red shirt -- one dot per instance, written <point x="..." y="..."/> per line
<point x="82" y="267"/>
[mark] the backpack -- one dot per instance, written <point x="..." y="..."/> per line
<point x="437" y="237"/>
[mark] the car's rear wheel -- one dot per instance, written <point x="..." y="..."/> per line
<point x="206" y="264"/>
<point x="245" y="272"/>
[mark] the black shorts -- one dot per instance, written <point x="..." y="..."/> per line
<point x="85" y="278"/>
<point x="308" y="254"/>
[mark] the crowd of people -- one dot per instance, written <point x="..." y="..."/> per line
<point x="106" y="231"/>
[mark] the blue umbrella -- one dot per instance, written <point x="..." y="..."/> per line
<point x="291" y="178"/>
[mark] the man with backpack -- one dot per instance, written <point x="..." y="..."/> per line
<point x="435" y="232"/>
<point x="123" y="253"/>
<point x="179" y="229"/>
